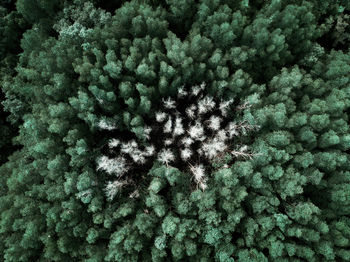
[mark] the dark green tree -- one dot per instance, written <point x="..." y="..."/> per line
<point x="91" y="73"/>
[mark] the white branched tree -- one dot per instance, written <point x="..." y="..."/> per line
<point x="191" y="130"/>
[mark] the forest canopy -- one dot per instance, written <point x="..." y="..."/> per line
<point x="162" y="130"/>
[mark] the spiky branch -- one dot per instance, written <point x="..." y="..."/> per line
<point x="194" y="129"/>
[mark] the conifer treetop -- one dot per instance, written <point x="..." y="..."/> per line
<point x="191" y="130"/>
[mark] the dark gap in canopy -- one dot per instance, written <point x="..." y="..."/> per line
<point x="110" y="5"/>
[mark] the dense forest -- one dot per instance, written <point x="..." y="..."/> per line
<point x="175" y="130"/>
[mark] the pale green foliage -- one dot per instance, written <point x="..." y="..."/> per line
<point x="87" y="77"/>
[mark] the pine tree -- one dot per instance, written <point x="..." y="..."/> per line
<point x="124" y="155"/>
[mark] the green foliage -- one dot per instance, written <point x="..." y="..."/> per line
<point x="69" y="67"/>
<point x="11" y="26"/>
<point x="34" y="10"/>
